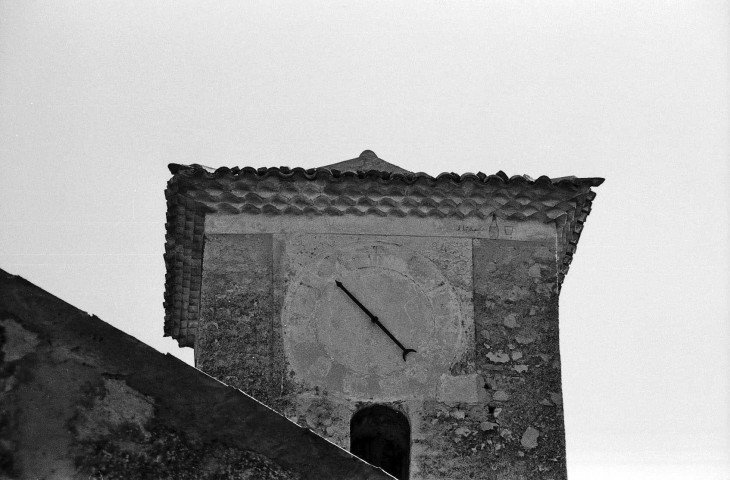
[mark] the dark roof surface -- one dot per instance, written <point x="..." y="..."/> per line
<point x="195" y="191"/>
<point x="54" y="354"/>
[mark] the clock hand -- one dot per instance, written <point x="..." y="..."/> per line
<point x="375" y="320"/>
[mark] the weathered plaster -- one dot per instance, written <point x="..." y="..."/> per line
<point x="420" y="286"/>
<point x="18" y="341"/>
<point x="461" y="388"/>
<point x="117" y="405"/>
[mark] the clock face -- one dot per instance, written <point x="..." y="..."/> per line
<point x="332" y="340"/>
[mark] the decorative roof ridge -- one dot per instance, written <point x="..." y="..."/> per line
<point x="196" y="170"/>
<point x="367" y="161"/>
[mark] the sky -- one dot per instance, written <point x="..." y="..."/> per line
<point x="96" y="98"/>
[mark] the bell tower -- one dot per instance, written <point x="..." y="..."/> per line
<point x="409" y="319"/>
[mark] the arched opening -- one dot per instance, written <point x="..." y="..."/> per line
<point x="382" y="436"/>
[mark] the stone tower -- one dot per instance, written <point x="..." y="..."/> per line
<point x="409" y="319"/>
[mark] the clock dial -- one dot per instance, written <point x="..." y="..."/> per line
<point x="332" y="341"/>
<point x="375" y="320"/>
<point x="393" y="298"/>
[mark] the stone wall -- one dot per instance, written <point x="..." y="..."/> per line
<point x="516" y="431"/>
<point x="496" y="413"/>
<point x="237" y="339"/>
<point x="81" y="399"/>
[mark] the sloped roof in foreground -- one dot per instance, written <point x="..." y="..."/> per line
<point x="347" y="188"/>
<point x="85" y="400"/>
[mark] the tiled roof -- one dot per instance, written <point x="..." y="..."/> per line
<point x="195" y="191"/>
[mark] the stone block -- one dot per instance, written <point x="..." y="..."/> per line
<point x="461" y="389"/>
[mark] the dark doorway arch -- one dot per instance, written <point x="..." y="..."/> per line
<point x="382" y="436"/>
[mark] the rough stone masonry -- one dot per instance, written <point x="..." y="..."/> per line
<point x="252" y="256"/>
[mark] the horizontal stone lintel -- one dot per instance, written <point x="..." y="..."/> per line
<point x="216" y="223"/>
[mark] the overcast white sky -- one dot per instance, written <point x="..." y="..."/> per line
<point x="97" y="97"/>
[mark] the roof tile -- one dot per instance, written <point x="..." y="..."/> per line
<point x="195" y="190"/>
